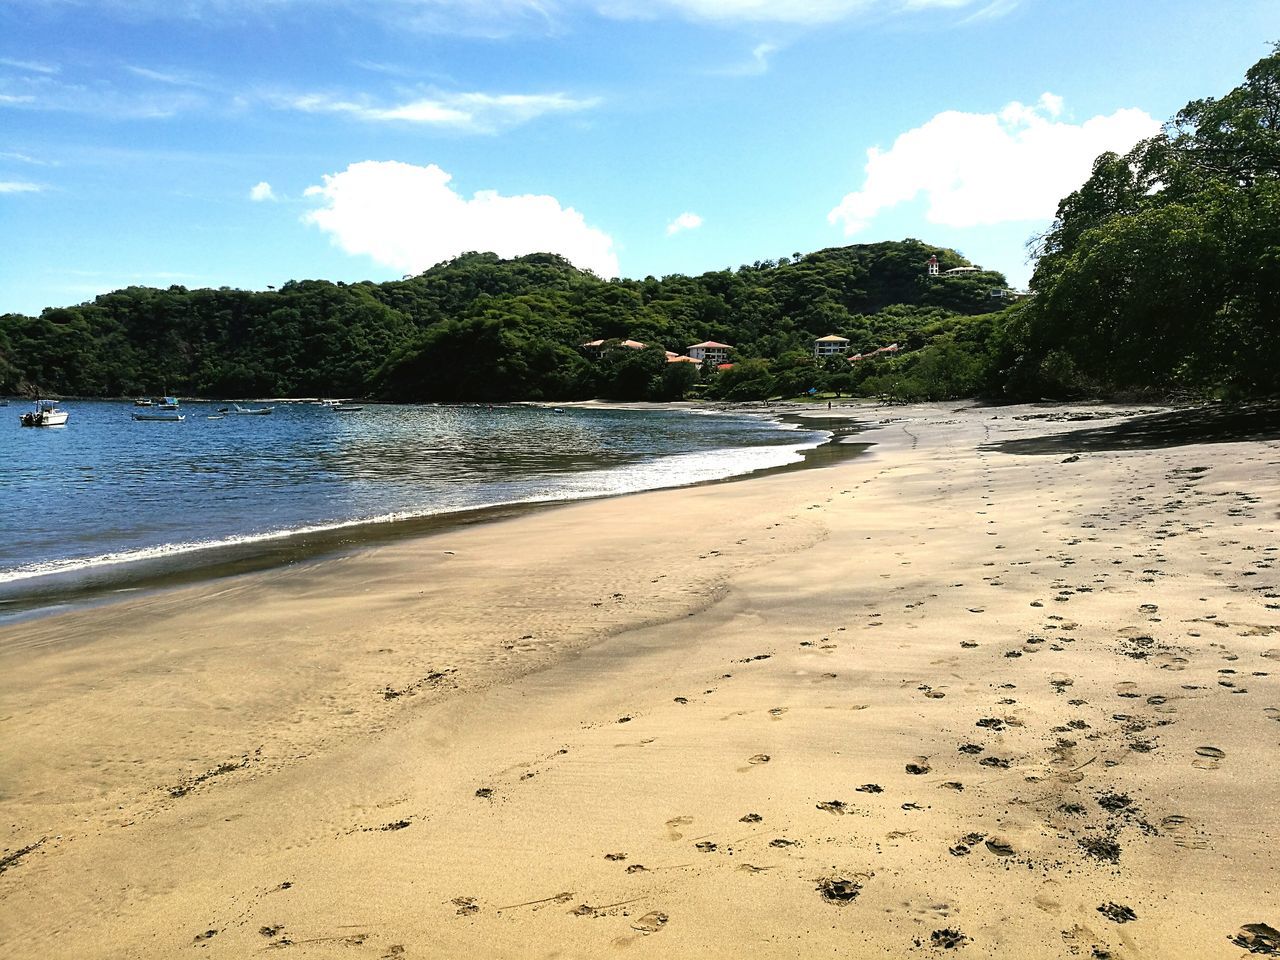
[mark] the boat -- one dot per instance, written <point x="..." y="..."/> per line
<point x="165" y="403"/>
<point x="46" y="414"/>
<point x="155" y="413"/>
<point x="250" y="411"/>
<point x="143" y="402"/>
<point x="346" y="407"/>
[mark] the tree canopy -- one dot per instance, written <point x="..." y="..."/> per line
<point x="1163" y="270"/>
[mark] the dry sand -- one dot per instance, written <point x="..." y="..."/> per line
<point x="941" y="698"/>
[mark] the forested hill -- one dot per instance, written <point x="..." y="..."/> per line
<point x="483" y="328"/>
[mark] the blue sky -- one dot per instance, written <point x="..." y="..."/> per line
<point x="248" y="142"/>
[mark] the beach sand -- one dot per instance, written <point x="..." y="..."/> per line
<point x="941" y="698"/>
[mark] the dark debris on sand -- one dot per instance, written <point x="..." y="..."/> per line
<point x="839" y="890"/>
<point x="1117" y="912"/>
<point x="1259" y="938"/>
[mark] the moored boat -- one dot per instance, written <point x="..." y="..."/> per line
<point x="250" y="411"/>
<point x="46" y="414"/>
<point x="168" y="416"/>
<point x="346" y="407"/>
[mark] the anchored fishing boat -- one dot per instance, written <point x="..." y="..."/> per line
<point x="46" y="414"/>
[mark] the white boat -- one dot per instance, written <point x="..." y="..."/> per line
<point x="46" y="414"/>
<point x="346" y="407"/>
<point x="156" y="413"/>
<point x="250" y="411"/>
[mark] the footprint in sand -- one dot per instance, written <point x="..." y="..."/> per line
<point x="651" y="922"/>
<point x="1182" y="830"/>
<point x="674" y="825"/>
<point x="1208" y="758"/>
<point x="919" y="766"/>
<point x="1272" y="713"/>
<point x="777" y="712"/>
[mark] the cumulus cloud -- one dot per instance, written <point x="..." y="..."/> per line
<point x="686" y="221"/>
<point x="986" y="168"/>
<point x="478" y="112"/>
<point x="409" y="218"/>
<point x="261" y="192"/>
<point x="19" y="186"/>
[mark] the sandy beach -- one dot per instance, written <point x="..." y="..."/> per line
<point x="945" y="697"/>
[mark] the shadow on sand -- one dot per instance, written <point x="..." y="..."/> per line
<point x="1176" y="428"/>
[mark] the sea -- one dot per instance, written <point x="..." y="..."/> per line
<point x="107" y="503"/>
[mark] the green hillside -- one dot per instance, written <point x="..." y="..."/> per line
<point x="483" y="328"/>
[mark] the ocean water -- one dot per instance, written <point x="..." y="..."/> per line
<point x="105" y="493"/>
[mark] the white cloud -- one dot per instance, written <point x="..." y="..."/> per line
<point x="686" y="221"/>
<point x="19" y="186"/>
<point x="409" y="218"/>
<point x="757" y="65"/>
<point x="476" y="112"/>
<point x="986" y="168"/>
<point x="261" y="192"/>
<point x="499" y="18"/>
<point x="25" y="158"/>
<point x="804" y="12"/>
<point x="35" y="66"/>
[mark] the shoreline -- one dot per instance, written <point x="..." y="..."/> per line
<point x="823" y="712"/>
<point x="97" y="583"/>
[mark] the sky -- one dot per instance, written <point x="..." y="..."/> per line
<point x="245" y="143"/>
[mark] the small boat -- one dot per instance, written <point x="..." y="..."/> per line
<point x="155" y="413"/>
<point x="250" y="411"/>
<point x="346" y="407"/>
<point x="143" y="402"/>
<point x="46" y="414"/>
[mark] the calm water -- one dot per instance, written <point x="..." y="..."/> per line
<point x="107" y="492"/>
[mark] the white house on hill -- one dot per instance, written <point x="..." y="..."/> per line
<point x="710" y="352"/>
<point x="830" y="345"/>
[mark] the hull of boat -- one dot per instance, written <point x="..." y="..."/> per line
<point x="55" y="418"/>
<point x="163" y="417"/>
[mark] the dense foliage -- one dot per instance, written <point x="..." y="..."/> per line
<point x="482" y="328"/>
<point x="1163" y="270"/>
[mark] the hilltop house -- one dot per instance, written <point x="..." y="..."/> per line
<point x="710" y="352"/>
<point x="598" y="348"/>
<point x="831" y="345"/>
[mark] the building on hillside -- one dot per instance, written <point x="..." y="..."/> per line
<point x="598" y="348"/>
<point x="831" y="345"/>
<point x="957" y="271"/>
<point x="933" y="266"/>
<point x="676" y="358"/>
<point x="710" y="352"/>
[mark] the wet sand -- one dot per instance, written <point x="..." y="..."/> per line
<point x="941" y="698"/>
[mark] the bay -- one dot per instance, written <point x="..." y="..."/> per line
<point x="105" y="493"/>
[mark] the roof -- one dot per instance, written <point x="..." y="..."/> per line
<point x="832" y="338"/>
<point x="711" y="343"/>
<point x="629" y="344"/>
<point x="724" y="366"/>
<point x="683" y="360"/>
